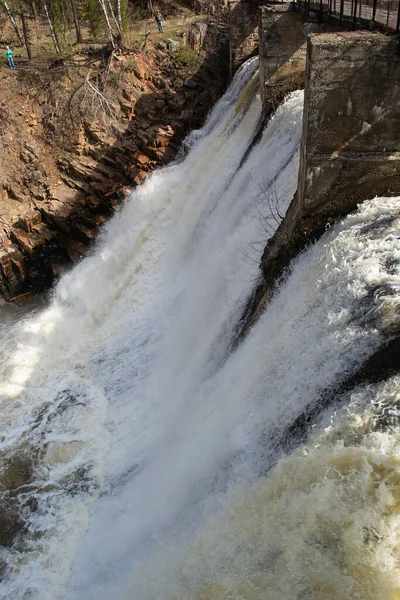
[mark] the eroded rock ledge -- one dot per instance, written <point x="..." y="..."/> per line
<point x="64" y="172"/>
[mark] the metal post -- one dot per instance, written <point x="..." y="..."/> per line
<point x="398" y="19"/>
<point x="355" y="14"/>
<point x="374" y="10"/>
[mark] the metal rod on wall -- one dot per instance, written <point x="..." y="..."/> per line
<point x="374" y="10"/>
<point x="355" y="14"/>
<point x="398" y="19"/>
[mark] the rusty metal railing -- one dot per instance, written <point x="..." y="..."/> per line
<point x="361" y="13"/>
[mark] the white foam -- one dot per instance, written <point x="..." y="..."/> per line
<point x="122" y="391"/>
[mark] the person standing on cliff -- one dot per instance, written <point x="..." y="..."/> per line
<point x="159" y="20"/>
<point x="9" y="57"/>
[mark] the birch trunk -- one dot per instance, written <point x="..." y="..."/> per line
<point x="119" y="14"/>
<point x="104" y="9"/>
<point x="13" y="22"/>
<point x="52" y="31"/>
<point x="113" y="16"/>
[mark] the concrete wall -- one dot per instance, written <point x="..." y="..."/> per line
<point x="243" y="31"/>
<point x="350" y="149"/>
<point x="351" y="137"/>
<point x="282" y="48"/>
<point x="282" y="53"/>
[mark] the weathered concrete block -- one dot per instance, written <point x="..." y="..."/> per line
<point x="282" y="52"/>
<point x="350" y="148"/>
<point x="243" y="31"/>
<point x="351" y="135"/>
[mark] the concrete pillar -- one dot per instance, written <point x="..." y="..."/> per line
<point x="350" y="147"/>
<point x="282" y="52"/>
<point x="243" y="31"/>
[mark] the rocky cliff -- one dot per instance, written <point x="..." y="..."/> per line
<point x="78" y="132"/>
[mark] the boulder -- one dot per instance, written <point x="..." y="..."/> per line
<point x="172" y="45"/>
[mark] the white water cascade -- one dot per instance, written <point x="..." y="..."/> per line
<point x="141" y="456"/>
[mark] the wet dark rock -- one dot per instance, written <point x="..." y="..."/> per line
<point x="11" y="523"/>
<point x="17" y="472"/>
<point x="383" y="364"/>
<point x="191" y="84"/>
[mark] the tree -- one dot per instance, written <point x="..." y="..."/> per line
<point x="26" y="36"/>
<point x="76" y="22"/>
<point x="13" y="21"/>
<point x="93" y="14"/>
<point x="119" y="14"/>
<point x="104" y="9"/>
<point x="34" y="10"/>
<point x="52" y="30"/>
<point x="122" y="6"/>
<point x="119" y="29"/>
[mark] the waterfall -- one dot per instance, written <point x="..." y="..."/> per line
<point x="141" y="457"/>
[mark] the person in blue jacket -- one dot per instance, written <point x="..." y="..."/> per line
<point x="159" y="20"/>
<point x="9" y="57"/>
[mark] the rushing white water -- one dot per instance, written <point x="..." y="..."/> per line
<point x="325" y="525"/>
<point x="131" y="434"/>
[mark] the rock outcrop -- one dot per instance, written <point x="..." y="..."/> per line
<point x="72" y="145"/>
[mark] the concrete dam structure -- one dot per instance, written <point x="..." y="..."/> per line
<point x="350" y="146"/>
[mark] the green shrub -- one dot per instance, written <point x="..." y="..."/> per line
<point x="185" y="56"/>
<point x="130" y="65"/>
<point x="113" y="80"/>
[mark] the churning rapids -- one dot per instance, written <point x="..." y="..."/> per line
<point x="143" y="459"/>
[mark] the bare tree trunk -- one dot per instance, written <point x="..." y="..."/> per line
<point x="113" y="16"/>
<point x="119" y="14"/>
<point x="150" y="6"/>
<point x="104" y="9"/>
<point x="52" y="31"/>
<point x="76" y="21"/>
<point x="26" y="36"/>
<point x="34" y="10"/>
<point x="13" y="22"/>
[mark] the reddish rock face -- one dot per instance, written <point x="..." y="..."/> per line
<point x="63" y="175"/>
